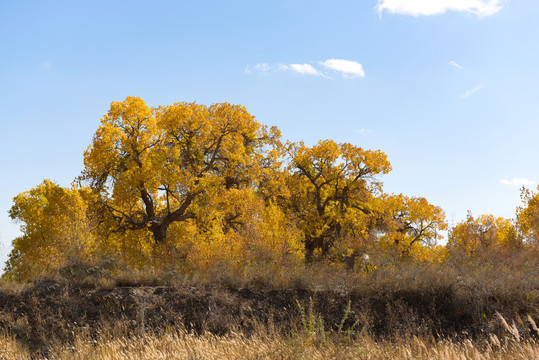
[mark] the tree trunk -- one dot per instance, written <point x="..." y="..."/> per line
<point x="159" y="232"/>
<point x="311" y="245"/>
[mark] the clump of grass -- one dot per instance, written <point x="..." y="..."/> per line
<point x="533" y="327"/>
<point x="313" y="330"/>
<point x="511" y="329"/>
<point x="312" y="324"/>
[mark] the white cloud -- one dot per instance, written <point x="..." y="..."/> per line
<point x="265" y="68"/>
<point x="472" y="91"/>
<point x="363" y="131"/>
<point x="518" y="182"/>
<point x="46" y="65"/>
<point x="260" y="68"/>
<point x="454" y="64"/>
<point x="305" y="69"/>
<point x="433" y="7"/>
<point x="348" y="68"/>
<point x="282" y="67"/>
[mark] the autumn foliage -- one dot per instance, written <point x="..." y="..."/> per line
<point x="194" y="185"/>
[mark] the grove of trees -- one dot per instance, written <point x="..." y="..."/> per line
<point x="202" y="185"/>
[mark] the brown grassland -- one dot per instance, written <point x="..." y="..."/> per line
<point x="473" y="309"/>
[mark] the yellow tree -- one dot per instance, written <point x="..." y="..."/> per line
<point x="155" y="166"/>
<point x="330" y="184"/>
<point x="486" y="232"/>
<point x="58" y="226"/>
<point x="409" y="222"/>
<point x="239" y="227"/>
<point x="528" y="216"/>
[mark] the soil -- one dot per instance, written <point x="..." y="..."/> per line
<point x="57" y="311"/>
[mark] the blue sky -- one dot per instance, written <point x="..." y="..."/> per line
<point x="447" y="88"/>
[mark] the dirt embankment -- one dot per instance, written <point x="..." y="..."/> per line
<point x="57" y="311"/>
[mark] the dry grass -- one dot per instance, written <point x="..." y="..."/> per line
<point x="184" y="345"/>
<point x="312" y="340"/>
<point x="396" y="310"/>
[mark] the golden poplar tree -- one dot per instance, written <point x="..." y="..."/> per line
<point x="477" y="236"/>
<point x="157" y="166"/>
<point x="58" y="226"/>
<point x="332" y="187"/>
<point x="528" y="217"/>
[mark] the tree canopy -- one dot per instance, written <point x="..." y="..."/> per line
<point x="332" y="187"/>
<point x="58" y="225"/>
<point x="196" y="184"/>
<point x="482" y="234"/>
<point x="528" y="216"/>
<point x="153" y="166"/>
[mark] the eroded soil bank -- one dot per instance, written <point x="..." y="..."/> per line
<point x="56" y="311"/>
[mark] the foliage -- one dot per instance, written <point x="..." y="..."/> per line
<point x="528" y="217"/>
<point x="189" y="186"/>
<point x="157" y="166"/>
<point x="411" y="226"/>
<point x="482" y="234"/>
<point x="332" y="188"/>
<point x="58" y="226"/>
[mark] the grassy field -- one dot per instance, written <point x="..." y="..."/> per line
<point x="454" y="310"/>
<point x="183" y="345"/>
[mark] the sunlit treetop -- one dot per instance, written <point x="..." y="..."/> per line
<point x="152" y="164"/>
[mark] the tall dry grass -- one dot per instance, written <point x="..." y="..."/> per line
<point x="184" y="345"/>
<point x="396" y="310"/>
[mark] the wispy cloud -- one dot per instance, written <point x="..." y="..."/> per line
<point x="258" y="68"/>
<point x="454" y="64"/>
<point x="363" y="131"/>
<point x="416" y="8"/>
<point x="471" y="91"/>
<point x="348" y="68"/>
<point x="305" y="69"/>
<point x="46" y="65"/>
<point x="518" y="182"/>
